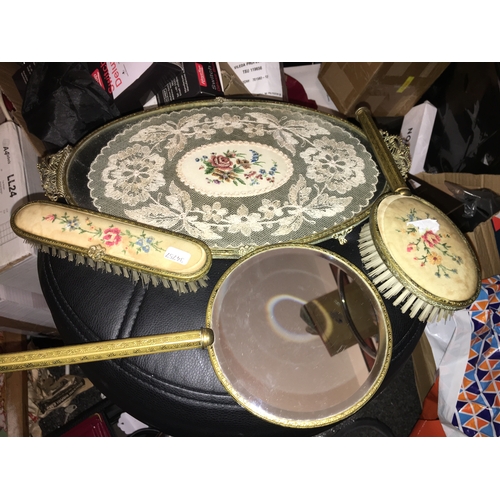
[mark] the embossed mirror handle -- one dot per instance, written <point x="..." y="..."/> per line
<point x="384" y="157"/>
<point x="105" y="350"/>
<point x="52" y="169"/>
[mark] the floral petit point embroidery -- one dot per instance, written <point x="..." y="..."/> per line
<point x="221" y="162"/>
<point x="228" y="167"/>
<point x="255" y="156"/>
<point x="244" y="163"/>
<point x="72" y="224"/>
<point x="435" y="259"/>
<point x="431" y="239"/>
<point x="144" y="244"/>
<point x="110" y="236"/>
<point x="429" y="243"/>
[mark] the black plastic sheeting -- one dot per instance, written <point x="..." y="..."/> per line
<point x="466" y="133"/>
<point x="63" y="103"/>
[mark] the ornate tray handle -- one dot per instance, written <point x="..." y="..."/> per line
<point x="399" y="150"/>
<point x="52" y="169"/>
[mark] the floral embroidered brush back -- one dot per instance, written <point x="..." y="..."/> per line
<point x="236" y="176"/>
<point x="86" y="233"/>
<point x="427" y="247"/>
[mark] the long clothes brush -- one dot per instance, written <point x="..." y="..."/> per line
<point x="137" y="251"/>
<point x="413" y="252"/>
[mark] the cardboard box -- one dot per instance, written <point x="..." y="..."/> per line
<point x="10" y="90"/>
<point x="24" y="306"/>
<point x="198" y="80"/>
<point x="25" y="328"/>
<point x="132" y="84"/>
<point x="390" y="89"/>
<point x="13" y="193"/>
<point x="21" y="297"/>
<point x="486" y="236"/>
<point x="19" y="183"/>
<point x="471" y="181"/>
<point x="486" y="241"/>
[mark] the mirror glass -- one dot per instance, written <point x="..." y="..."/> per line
<point x="302" y="337"/>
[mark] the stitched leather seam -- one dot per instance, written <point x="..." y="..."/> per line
<point x="163" y="384"/>
<point x="130" y="319"/>
<point x="194" y="397"/>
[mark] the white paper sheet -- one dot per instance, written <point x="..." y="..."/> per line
<point x="260" y="77"/>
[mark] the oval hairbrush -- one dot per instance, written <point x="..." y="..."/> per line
<point x="413" y="252"/>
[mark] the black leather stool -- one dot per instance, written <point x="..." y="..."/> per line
<point x="177" y="393"/>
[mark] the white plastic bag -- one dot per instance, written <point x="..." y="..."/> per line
<point x="451" y="370"/>
<point x="467" y="354"/>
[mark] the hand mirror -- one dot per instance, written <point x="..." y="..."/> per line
<point x="295" y="333"/>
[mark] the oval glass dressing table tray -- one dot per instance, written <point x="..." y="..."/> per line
<point x="237" y="174"/>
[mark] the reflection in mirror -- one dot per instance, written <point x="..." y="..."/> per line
<point x="287" y="322"/>
<point x="334" y="316"/>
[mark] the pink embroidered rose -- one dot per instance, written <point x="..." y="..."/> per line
<point x="221" y="162"/>
<point x="411" y="247"/>
<point x="51" y="217"/>
<point x="430" y="238"/>
<point x="112" y="236"/>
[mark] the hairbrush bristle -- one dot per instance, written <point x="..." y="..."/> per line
<point x="391" y="287"/>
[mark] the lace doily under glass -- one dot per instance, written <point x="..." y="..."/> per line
<point x="237" y="177"/>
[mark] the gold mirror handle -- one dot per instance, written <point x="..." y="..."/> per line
<point x="52" y="169"/>
<point x="384" y="157"/>
<point x="105" y="350"/>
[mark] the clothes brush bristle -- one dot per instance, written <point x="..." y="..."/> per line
<point x="132" y="274"/>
